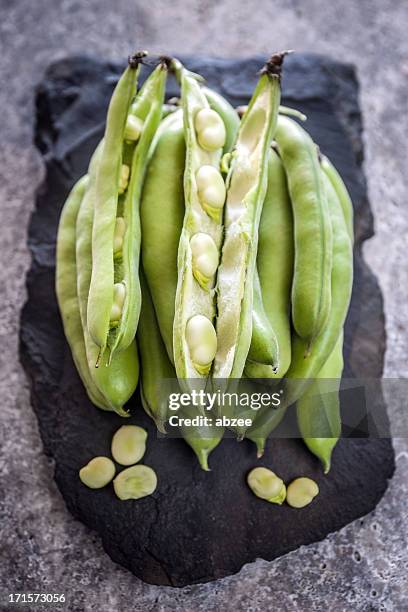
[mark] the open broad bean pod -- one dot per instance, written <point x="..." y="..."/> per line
<point x="246" y="189"/>
<point x="114" y="292"/>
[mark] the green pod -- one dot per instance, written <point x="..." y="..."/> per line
<point x="163" y="197"/>
<point x="275" y="267"/>
<point x="101" y="292"/>
<point x="342" y="281"/>
<point x="264" y="347"/>
<point x="117" y="380"/>
<point x="147" y="108"/>
<point x="156" y="369"/>
<point x="318" y="410"/>
<point x="227" y="113"/>
<point x="155" y="365"/>
<point x="264" y="350"/>
<point x="311" y="292"/>
<point x="194" y="337"/>
<point x="302" y="370"/>
<point x="66" y="289"/>
<point x="162" y="213"/>
<point x="202" y="439"/>
<point x="266" y="421"/>
<point x="114" y="296"/>
<point x="246" y="189"/>
<point x="342" y="193"/>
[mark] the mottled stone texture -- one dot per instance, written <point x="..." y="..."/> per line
<point x="362" y="567"/>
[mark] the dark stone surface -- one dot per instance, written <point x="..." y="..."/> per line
<point x="197" y="526"/>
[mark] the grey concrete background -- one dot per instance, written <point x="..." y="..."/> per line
<point x="362" y="567"/>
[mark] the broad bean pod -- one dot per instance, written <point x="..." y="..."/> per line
<point x="302" y="371"/>
<point x="66" y="289"/>
<point x="162" y="213"/>
<point x="311" y="292"/>
<point x="246" y="188"/>
<point x="118" y="381"/>
<point x="157" y="370"/>
<point x="275" y="267"/>
<point x="155" y="365"/>
<point x="202" y="439"/>
<point x="194" y="337"/>
<point x="342" y="193"/>
<point x="114" y="294"/>
<point x="263" y="348"/>
<point x="163" y="196"/>
<point x="318" y="409"/>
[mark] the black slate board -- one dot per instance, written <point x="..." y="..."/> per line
<point x="197" y="526"/>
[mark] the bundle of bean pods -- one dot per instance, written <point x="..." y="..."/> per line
<point x="245" y="232"/>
